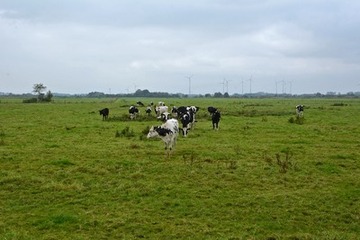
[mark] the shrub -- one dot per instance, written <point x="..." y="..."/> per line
<point x="30" y="100"/>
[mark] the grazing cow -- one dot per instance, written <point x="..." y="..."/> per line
<point x="105" y="113"/>
<point x="140" y="104"/>
<point x="160" y="109"/>
<point x="168" y="132"/>
<point x="133" y="111"/>
<point x="212" y="110"/>
<point x="300" y="110"/>
<point x="148" y="110"/>
<point x="215" y="117"/>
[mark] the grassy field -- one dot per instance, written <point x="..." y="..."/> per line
<point x="66" y="174"/>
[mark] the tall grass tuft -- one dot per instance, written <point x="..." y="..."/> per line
<point x="287" y="163"/>
<point x="126" y="132"/>
<point x="297" y="120"/>
<point x="2" y="137"/>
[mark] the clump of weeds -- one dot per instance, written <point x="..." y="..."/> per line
<point x="284" y="161"/>
<point x="126" y="132"/>
<point x="297" y="120"/>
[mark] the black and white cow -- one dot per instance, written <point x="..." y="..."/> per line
<point x="148" y="110"/>
<point x="180" y="111"/>
<point x="300" y="110"/>
<point x="133" y="112"/>
<point x="168" y="132"/>
<point x="174" y="112"/>
<point x="186" y="121"/>
<point x="164" y="116"/>
<point x="215" y="118"/>
<point x="160" y="109"/>
<point x="105" y="113"/>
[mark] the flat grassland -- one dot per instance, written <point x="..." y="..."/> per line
<point x="66" y="174"/>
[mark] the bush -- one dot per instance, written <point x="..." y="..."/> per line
<point x="30" y="100"/>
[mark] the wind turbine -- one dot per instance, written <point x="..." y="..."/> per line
<point x="290" y="86"/>
<point x="189" y="77"/>
<point x="250" y="80"/>
<point x="242" y="86"/>
<point x="223" y="83"/>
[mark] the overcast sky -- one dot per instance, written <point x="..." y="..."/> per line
<point x="118" y="46"/>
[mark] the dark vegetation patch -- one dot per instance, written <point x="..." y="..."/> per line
<point x="62" y="163"/>
<point x="339" y="104"/>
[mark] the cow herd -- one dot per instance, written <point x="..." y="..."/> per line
<point x="171" y="118"/>
<point x="168" y="132"/>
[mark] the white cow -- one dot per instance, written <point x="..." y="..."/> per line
<point x="160" y="110"/>
<point x="168" y="132"/>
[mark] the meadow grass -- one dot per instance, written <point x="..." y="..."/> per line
<point x="66" y="174"/>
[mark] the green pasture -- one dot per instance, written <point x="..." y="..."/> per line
<point x="66" y="174"/>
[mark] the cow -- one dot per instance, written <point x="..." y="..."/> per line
<point x="186" y="123"/>
<point x="168" y="132"/>
<point x="148" y="110"/>
<point x="133" y="111"/>
<point x="215" y="118"/>
<point x="174" y="111"/>
<point x="180" y="111"/>
<point x="193" y="110"/>
<point x="299" y="110"/>
<point x="212" y="110"/>
<point x="140" y="103"/>
<point x="164" y="116"/>
<point x="160" y="109"/>
<point x="105" y="113"/>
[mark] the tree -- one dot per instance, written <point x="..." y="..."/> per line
<point x="218" y="95"/>
<point x="39" y="88"/>
<point x="48" y="96"/>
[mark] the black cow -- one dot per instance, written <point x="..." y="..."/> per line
<point x="133" y="111"/>
<point x="212" y="110"/>
<point x="216" y="119"/>
<point x="105" y="113"/>
<point x="140" y="103"/>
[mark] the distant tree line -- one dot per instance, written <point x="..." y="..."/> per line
<point x="147" y="93"/>
<point x="41" y="96"/>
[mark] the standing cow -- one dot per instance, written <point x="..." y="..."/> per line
<point x="168" y="132"/>
<point x="133" y="111"/>
<point x="215" y="118"/>
<point x="300" y="110"/>
<point x="105" y="113"/>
